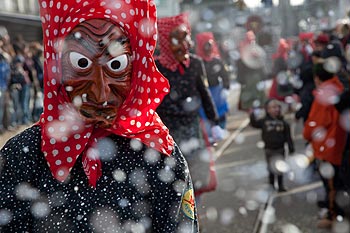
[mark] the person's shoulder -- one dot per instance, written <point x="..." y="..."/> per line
<point x="23" y="151"/>
<point x="28" y="140"/>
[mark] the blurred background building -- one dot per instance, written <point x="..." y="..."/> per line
<point x="225" y="17"/>
<point x="21" y="17"/>
<point x="269" y="19"/>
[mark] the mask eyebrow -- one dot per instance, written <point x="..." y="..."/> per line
<point x="92" y="49"/>
<point x="83" y="42"/>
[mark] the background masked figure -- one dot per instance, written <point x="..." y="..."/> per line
<point x="251" y="73"/>
<point x="217" y="73"/>
<point x="179" y="109"/>
<point x="100" y="158"/>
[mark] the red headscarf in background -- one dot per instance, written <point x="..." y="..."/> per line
<point x="282" y="50"/>
<point x="165" y="26"/>
<point x="64" y="137"/>
<point x="307" y="45"/>
<point x="201" y="39"/>
<point x="306" y="36"/>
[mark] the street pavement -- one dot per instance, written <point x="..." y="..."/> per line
<point x="244" y="202"/>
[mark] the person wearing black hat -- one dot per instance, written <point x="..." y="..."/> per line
<point x="330" y="46"/>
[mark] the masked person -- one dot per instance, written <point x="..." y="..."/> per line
<point x="179" y="109"/>
<point x="217" y="73"/>
<point x="251" y="73"/>
<point x="100" y="159"/>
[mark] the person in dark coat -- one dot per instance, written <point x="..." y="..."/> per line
<point x="305" y="92"/>
<point x="99" y="159"/>
<point x="275" y="132"/>
<point x="180" y="109"/>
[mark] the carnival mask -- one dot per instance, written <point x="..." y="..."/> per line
<point x="96" y="68"/>
<point x="180" y="43"/>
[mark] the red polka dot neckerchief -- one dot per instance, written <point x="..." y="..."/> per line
<point x="64" y="137"/>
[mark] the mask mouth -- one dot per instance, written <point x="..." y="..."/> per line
<point x="98" y="115"/>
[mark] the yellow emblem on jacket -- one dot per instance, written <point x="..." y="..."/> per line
<point x="188" y="204"/>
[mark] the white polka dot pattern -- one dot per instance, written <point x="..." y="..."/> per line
<point x="141" y="190"/>
<point x="137" y="18"/>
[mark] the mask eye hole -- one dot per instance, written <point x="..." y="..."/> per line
<point x="79" y="61"/>
<point x="119" y="63"/>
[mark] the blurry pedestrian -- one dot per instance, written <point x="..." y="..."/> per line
<point x="330" y="47"/>
<point x="179" y="110"/>
<point x="305" y="92"/>
<point x="275" y="133"/>
<point x="6" y="52"/>
<point x="5" y="60"/>
<point x="17" y="81"/>
<point x="281" y="86"/>
<point x="251" y="73"/>
<point x="327" y="137"/>
<point x="305" y="46"/>
<point x="23" y="66"/>
<point x="37" y="58"/>
<point x="100" y="159"/>
<point x="217" y="73"/>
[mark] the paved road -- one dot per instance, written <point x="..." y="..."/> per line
<point x="244" y="203"/>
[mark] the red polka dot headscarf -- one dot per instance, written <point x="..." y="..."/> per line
<point x="201" y="39"/>
<point x="165" y="26"/>
<point x="64" y="136"/>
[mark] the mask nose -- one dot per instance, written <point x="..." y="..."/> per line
<point x="101" y="87"/>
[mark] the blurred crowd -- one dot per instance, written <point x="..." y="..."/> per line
<point x="310" y="81"/>
<point x="21" y="81"/>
